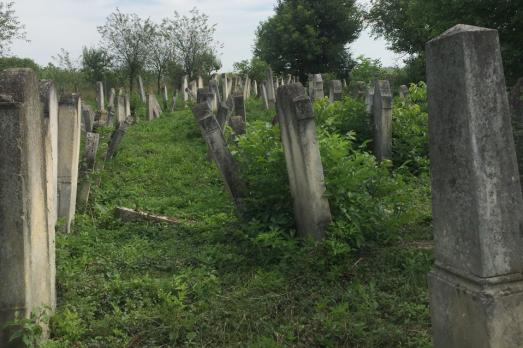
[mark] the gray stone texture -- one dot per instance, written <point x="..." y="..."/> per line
<point x="302" y="156"/>
<point x="100" y="97"/>
<point x="26" y="282"/>
<point x="239" y="107"/>
<point x="264" y="96"/>
<point x="382" y="115"/>
<point x="335" y="91"/>
<point x="271" y="92"/>
<point x="317" y="91"/>
<point x="69" y="120"/>
<point x="142" y="89"/>
<point x="476" y="287"/>
<point x="153" y="107"/>
<point x="238" y="125"/>
<point x="88" y="117"/>
<point x="222" y="156"/>
<point x="92" y="141"/>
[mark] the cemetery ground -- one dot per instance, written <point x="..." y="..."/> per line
<point x="215" y="281"/>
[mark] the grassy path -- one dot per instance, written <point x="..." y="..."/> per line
<point x="208" y="282"/>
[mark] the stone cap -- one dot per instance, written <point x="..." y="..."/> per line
<point x="459" y="29"/>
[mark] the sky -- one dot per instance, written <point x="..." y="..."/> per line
<point x="71" y="24"/>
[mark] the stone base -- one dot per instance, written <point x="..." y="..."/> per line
<point x="475" y="313"/>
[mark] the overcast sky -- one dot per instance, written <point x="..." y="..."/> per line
<point x="71" y="24"/>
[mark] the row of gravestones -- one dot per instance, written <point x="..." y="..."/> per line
<point x="42" y="179"/>
<point x="476" y="286"/>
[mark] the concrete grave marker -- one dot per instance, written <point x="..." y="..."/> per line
<point x="26" y="271"/>
<point x="335" y="91"/>
<point x="142" y="90"/>
<point x="476" y="286"/>
<point x="100" y="97"/>
<point x="302" y="156"/>
<point x="271" y="92"/>
<point x="382" y="115"/>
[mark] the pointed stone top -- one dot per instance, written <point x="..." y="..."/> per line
<point x="459" y="29"/>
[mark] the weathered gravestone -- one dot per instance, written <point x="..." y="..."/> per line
<point x="142" y="90"/>
<point x="476" y="286"/>
<point x="264" y="96"/>
<point x="69" y="120"/>
<point x="516" y="106"/>
<point x="369" y="99"/>
<point x="153" y="107"/>
<point x="127" y="105"/>
<point x="185" y="86"/>
<point x="88" y="165"/>
<point x="117" y="136"/>
<point x="200" y="82"/>
<point x="269" y="86"/>
<point x="317" y="91"/>
<point x="25" y="269"/>
<point x="239" y="107"/>
<point x="110" y="110"/>
<point x="382" y="115"/>
<point x="222" y="156"/>
<point x="205" y="96"/>
<point x="358" y="89"/>
<point x="49" y="109"/>
<point x="238" y="125"/>
<point x="223" y="115"/>
<point x="88" y="117"/>
<point x="120" y="107"/>
<point x="100" y="97"/>
<point x="302" y="156"/>
<point x="165" y="95"/>
<point x="335" y="91"/>
<point x="404" y="91"/>
<point x="225" y="86"/>
<point x="193" y="87"/>
<point x="255" y="88"/>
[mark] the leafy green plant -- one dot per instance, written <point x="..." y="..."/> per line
<point x="29" y="331"/>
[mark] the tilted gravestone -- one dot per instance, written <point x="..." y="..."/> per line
<point x="24" y="250"/>
<point x="476" y="286"/>
<point x="117" y="137"/>
<point x="88" y="116"/>
<point x="302" y="156"/>
<point x="223" y="115"/>
<point x="264" y="95"/>
<point x="222" y="156"/>
<point x="69" y="120"/>
<point x="335" y="91"/>
<point x="382" y="115"/>
<point x="88" y="165"/>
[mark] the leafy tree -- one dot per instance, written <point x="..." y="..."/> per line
<point x="10" y="27"/>
<point x="127" y="38"/>
<point x="193" y="42"/>
<point x="161" y="53"/>
<point x="255" y="68"/>
<point x="15" y="62"/>
<point x="95" y="64"/>
<point x="309" y="36"/>
<point x="408" y="25"/>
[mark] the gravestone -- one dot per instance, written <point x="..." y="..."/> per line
<point x="271" y="92"/>
<point x="205" y="96"/>
<point x="142" y="90"/>
<point x="255" y="88"/>
<point x="238" y="125"/>
<point x="165" y="95"/>
<point x="153" y="107"/>
<point x="25" y="270"/>
<point x="369" y="100"/>
<point x="117" y="137"/>
<point x="225" y="86"/>
<point x="264" y="96"/>
<point x="404" y="91"/>
<point x="127" y="105"/>
<point x="476" y="285"/>
<point x="302" y="156"/>
<point x="88" y="165"/>
<point x="223" y="115"/>
<point x="100" y="97"/>
<point x="382" y="115"/>
<point x="215" y="90"/>
<point x="335" y="91"/>
<point x="193" y="87"/>
<point x="222" y="156"/>
<point x="120" y="107"/>
<point x="69" y="120"/>
<point x="358" y="89"/>
<point x="317" y="92"/>
<point x="516" y="106"/>
<point x="200" y="82"/>
<point x="110" y="115"/>
<point x="239" y="107"/>
<point x="310" y="85"/>
<point x="49" y="108"/>
<point x="185" y="85"/>
<point x="88" y="116"/>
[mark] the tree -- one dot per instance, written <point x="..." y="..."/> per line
<point x="10" y="27"/>
<point x="408" y="25"/>
<point x="193" y="42"/>
<point x="309" y="36"/>
<point x="127" y="38"/>
<point x="162" y="53"/>
<point x="255" y="68"/>
<point x="95" y="64"/>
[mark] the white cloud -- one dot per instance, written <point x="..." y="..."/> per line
<point x="71" y="24"/>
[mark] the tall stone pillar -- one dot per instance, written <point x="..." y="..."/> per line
<point x="476" y="286"/>
<point x="382" y="114"/>
<point x="302" y="156"/>
<point x="185" y="85"/>
<point x="120" y="107"/>
<point x="225" y="87"/>
<point x="69" y="120"/>
<point x="100" y="97"/>
<point x="142" y="90"/>
<point x="271" y="92"/>
<point x="25" y="270"/>
<point x="264" y="95"/>
<point x="317" y="92"/>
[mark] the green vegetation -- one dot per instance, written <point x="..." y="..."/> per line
<point x="212" y="281"/>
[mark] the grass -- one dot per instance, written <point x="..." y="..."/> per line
<point x="208" y="282"/>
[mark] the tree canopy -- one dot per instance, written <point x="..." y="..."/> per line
<point x="408" y="25"/>
<point x="309" y="36"/>
<point x="10" y="27"/>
